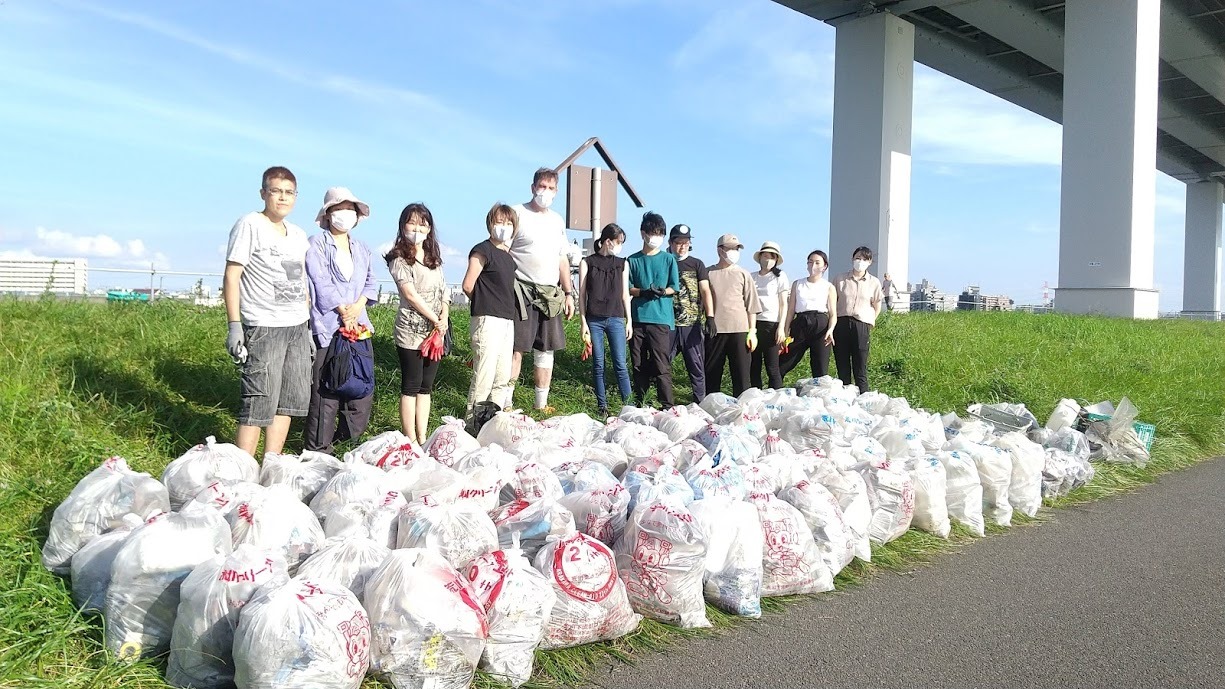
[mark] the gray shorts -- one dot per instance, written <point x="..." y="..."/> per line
<point x="276" y="380"/>
<point x="540" y="333"/>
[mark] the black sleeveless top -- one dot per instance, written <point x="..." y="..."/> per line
<point x="605" y="279"/>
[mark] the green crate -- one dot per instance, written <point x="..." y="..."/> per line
<point x="1146" y="431"/>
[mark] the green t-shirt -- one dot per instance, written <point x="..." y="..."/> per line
<point x="657" y="270"/>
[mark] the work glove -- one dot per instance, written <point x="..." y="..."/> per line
<point x="236" y="343"/>
<point x="751" y="340"/>
<point x="709" y="328"/>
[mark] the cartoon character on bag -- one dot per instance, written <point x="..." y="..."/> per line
<point x="650" y="554"/>
<point x="781" y="544"/>
<point x="357" y="643"/>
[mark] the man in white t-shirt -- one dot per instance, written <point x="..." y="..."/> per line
<point x="543" y="287"/>
<point x="268" y="306"/>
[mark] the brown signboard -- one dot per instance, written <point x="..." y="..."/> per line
<point x="578" y="198"/>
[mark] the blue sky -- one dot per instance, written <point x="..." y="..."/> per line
<point x="135" y="132"/>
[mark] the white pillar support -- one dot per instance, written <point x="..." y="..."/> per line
<point x="1201" y="279"/>
<point x="1111" y="51"/>
<point x="870" y="181"/>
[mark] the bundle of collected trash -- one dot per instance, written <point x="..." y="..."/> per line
<point x="420" y="565"/>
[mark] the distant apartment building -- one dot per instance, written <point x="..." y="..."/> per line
<point x="40" y="275"/>
<point x="972" y="299"/>
<point x="924" y="296"/>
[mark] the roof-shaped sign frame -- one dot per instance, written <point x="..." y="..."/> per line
<point x="612" y="165"/>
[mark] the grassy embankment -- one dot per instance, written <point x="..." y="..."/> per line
<point x="81" y="382"/>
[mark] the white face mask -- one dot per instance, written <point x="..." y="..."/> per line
<point x="815" y="270"/>
<point x="733" y="255"/>
<point x="544" y="198"/>
<point x="417" y="238"/>
<point x="342" y="221"/>
<point x="654" y="241"/>
<point x="503" y="233"/>
<point x="614" y="249"/>
<point x="860" y="265"/>
<point x="767" y="263"/>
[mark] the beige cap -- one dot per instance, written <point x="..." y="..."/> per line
<point x="337" y="195"/>
<point x="730" y="241"/>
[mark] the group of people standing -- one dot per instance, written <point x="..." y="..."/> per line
<point x="667" y="303"/>
<point x="289" y="298"/>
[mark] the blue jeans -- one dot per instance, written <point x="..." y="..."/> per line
<point x="614" y="328"/>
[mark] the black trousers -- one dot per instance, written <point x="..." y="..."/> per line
<point x="852" y="337"/>
<point x="651" y="354"/>
<point x="729" y="348"/>
<point x="767" y="353"/>
<point x="330" y="420"/>
<point x="808" y="335"/>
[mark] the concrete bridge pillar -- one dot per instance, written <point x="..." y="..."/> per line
<point x="1201" y="279"/>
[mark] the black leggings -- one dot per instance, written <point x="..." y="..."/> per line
<point x="416" y="372"/>
<point x="808" y="335"/>
<point x="766" y="352"/>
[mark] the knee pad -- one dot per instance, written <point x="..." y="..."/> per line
<point x="542" y="359"/>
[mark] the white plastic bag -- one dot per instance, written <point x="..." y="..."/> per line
<point x="678" y="424"/>
<point x="533" y="523"/>
<point x="202" y="464"/>
<point x="1062" y="473"/>
<point x="995" y="474"/>
<point x="610" y="455"/>
<point x="506" y="428"/>
<point x="91" y="565"/>
<point x="891" y="491"/>
<point x="730" y="443"/>
<point x="717" y="402"/>
<point x="487" y="457"/>
<point x="963" y="489"/>
<point x="708" y="480"/>
<point x="543" y="451"/>
<point x="873" y="402"/>
<point x="386" y="450"/>
<point x="774" y="444"/>
<point x="450" y="442"/>
<point x="98" y="504"/>
<point x="583" y="476"/>
<point x="302" y="634"/>
<point x="356" y="482"/>
<point x="662" y="559"/>
<point x="426" y="476"/>
<point x="584" y="429"/>
<point x="590" y="599"/>
<point x="223" y="496"/>
<point x="852" y="494"/>
<point x="789" y="469"/>
<point x="638" y="440"/>
<point x="531" y="482"/>
<point x="834" y="537"/>
<point x="809" y="429"/>
<point x="760" y="478"/>
<point x="517" y="601"/>
<point x="931" y="512"/>
<point x="652" y="479"/>
<point x="429" y="630"/>
<point x="347" y="560"/>
<point x="202" y="645"/>
<point x="277" y="520"/>
<point x="1028" y="460"/>
<point x="600" y="513"/>
<point x="143" y="596"/>
<point x="375" y="520"/>
<point x="734" y="554"/>
<point x="305" y="473"/>
<point x="791" y="561"/>
<point x="460" y="531"/>
<point x="643" y="415"/>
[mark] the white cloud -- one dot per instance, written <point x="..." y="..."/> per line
<point x="959" y="124"/>
<point x="112" y="252"/>
<point x="449" y="251"/>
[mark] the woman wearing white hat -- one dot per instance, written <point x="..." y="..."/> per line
<point x="341" y="275"/>
<point x="772" y="291"/>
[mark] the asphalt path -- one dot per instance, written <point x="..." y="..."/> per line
<point x="1124" y="592"/>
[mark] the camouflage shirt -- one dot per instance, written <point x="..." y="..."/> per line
<point x="688" y="304"/>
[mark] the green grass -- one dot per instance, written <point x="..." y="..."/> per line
<point x="84" y="381"/>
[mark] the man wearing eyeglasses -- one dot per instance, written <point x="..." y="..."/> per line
<point x="267" y="305"/>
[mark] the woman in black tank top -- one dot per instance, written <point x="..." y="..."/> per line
<point x="603" y="306"/>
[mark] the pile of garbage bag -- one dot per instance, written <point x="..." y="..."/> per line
<point x="420" y="565"/>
